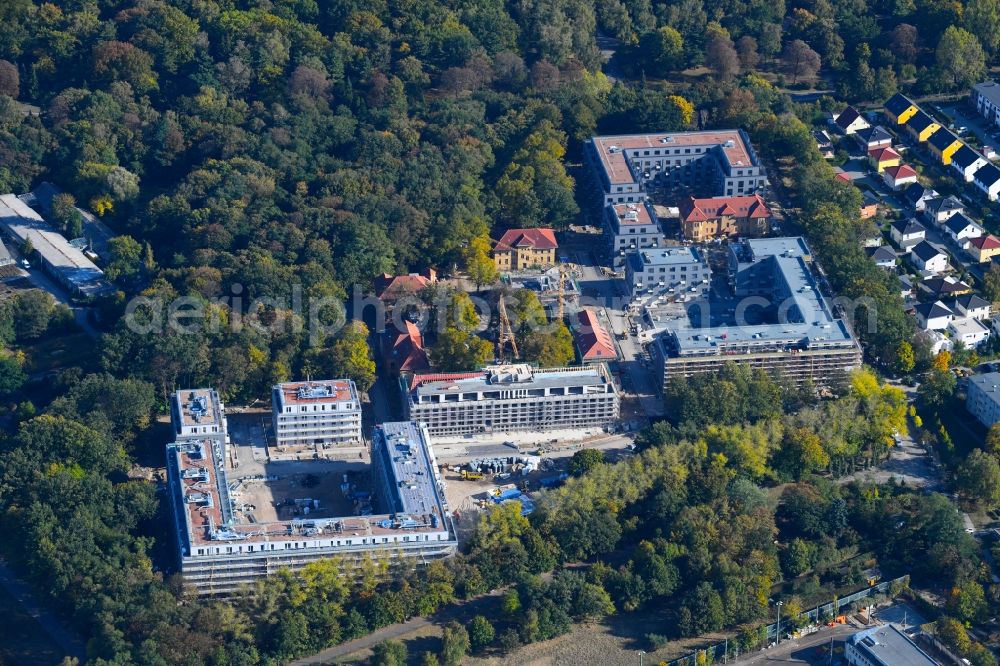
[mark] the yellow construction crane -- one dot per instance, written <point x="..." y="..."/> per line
<point x="506" y="333"/>
<point x="561" y="294"/>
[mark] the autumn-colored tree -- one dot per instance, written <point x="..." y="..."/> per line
<point x="478" y="263"/>
<point x="800" y="61"/>
<point x="942" y="362"/>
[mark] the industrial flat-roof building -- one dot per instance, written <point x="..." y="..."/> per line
<point x="323" y="413"/>
<point x="983" y="397"/>
<point x="67" y="264"/>
<point x="223" y="545"/>
<point x="510" y="398"/>
<point x="884" y="645"/>
<point x="722" y="162"/>
<point x="795" y="334"/>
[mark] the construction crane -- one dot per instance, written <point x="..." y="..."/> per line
<point x="561" y="293"/>
<point x="506" y="334"/>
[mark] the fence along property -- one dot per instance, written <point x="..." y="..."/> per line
<point x="765" y="634"/>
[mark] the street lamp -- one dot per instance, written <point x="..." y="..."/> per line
<point x="777" y="627"/>
<point x="641" y="652"/>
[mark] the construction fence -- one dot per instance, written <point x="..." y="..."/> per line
<point x="731" y="648"/>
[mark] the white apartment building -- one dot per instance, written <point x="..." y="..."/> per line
<point x="512" y="398"/>
<point x="986" y="99"/>
<point x="983" y="397"/>
<point x="324" y="413"/>
<point x="224" y="544"/>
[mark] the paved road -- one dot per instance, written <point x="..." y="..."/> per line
<point x="461" y="611"/>
<point x="800" y="650"/>
<point x="64" y="639"/>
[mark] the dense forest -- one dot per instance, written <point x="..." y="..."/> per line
<point x="252" y="147"/>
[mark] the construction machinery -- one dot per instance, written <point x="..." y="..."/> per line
<point x="506" y="334"/>
<point x="471" y="476"/>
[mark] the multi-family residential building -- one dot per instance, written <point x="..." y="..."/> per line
<point x="718" y="217"/>
<point x="718" y="162"/>
<point x="631" y="226"/>
<point x="801" y="340"/>
<point x="966" y="162"/>
<point x="921" y="126"/>
<point x="899" y="109"/>
<point x="986" y="99"/>
<point x="511" y="398"/>
<point x="224" y="543"/>
<point x="681" y="270"/>
<point x="983" y="397"/>
<point x="942" y="144"/>
<point x="987" y="179"/>
<point x="519" y="249"/>
<point x="321" y="414"/>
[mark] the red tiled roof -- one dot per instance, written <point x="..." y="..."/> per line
<point x="389" y="287"/>
<point x="901" y="171"/>
<point x="407" y="349"/>
<point x="593" y="339"/>
<point x="539" y="239"/>
<point x="842" y="176"/>
<point x="883" y="154"/>
<point x="696" y="210"/>
<point x="988" y="242"/>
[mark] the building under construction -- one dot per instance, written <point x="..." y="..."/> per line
<point x="511" y="398"/>
<point x="794" y="335"/>
<point x="321" y="414"/>
<point x="224" y="544"/>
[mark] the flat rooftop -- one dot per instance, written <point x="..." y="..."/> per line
<point x="198" y="407"/>
<point x="23" y="223"/>
<point x="407" y="453"/>
<point x="670" y="256"/>
<point x="507" y="376"/>
<point x="631" y="214"/>
<point x="612" y="150"/>
<point x="318" y="391"/>
<point x="889" y="646"/>
<point x="204" y="491"/>
<point x="777" y="265"/>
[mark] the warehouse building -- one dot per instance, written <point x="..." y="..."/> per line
<point x="511" y="398"/>
<point x="718" y="162"/>
<point x="321" y="414"/>
<point x="68" y="265"/>
<point x="793" y="334"/>
<point x="225" y="544"/>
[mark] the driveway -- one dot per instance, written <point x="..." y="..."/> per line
<point x="909" y="463"/>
